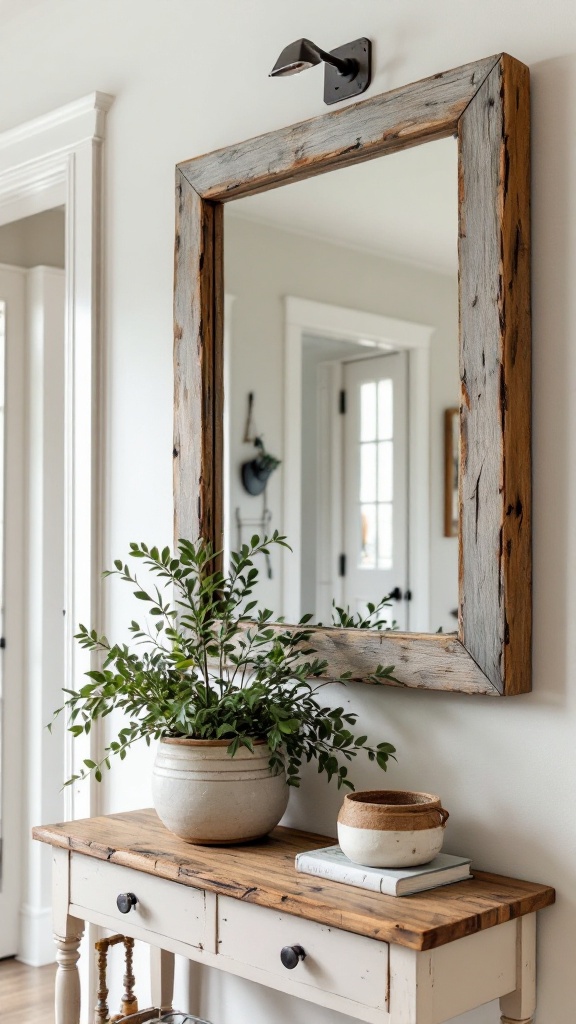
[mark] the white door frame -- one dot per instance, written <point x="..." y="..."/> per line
<point x="13" y="290"/>
<point x="228" y="541"/>
<point x="54" y="160"/>
<point x="304" y="316"/>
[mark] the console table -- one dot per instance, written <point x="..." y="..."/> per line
<point x="384" y="960"/>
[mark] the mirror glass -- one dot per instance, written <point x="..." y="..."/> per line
<point x="341" y="362"/>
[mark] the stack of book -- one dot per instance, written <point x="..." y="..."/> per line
<point x="331" y="864"/>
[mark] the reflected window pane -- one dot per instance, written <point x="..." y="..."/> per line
<point x="368" y="472"/>
<point x="385" y="471"/>
<point x="385" y="410"/>
<point x="385" y="536"/>
<point x="368" y="411"/>
<point x="367" y="537"/>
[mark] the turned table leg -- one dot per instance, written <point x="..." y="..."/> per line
<point x="67" y="991"/>
<point x="518" y="1007"/>
<point x="161" y="977"/>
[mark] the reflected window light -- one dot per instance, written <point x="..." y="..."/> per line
<point x="376" y="490"/>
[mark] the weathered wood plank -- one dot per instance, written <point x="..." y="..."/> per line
<point x="263" y="873"/>
<point x="422" y="111"/>
<point x="515" y="315"/>
<point x="198" y="385"/>
<point x="495" y="376"/>
<point x="421" y="661"/>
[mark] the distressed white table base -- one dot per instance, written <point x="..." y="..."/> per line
<point x="67" y="989"/>
<point x="348" y="973"/>
<point x="499" y="963"/>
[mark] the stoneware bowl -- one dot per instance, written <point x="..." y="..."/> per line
<point x="209" y="798"/>
<point x="388" y="828"/>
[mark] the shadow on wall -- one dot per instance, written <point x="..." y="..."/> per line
<point x="554" y="367"/>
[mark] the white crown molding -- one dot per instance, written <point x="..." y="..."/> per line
<point x="80" y="114"/>
<point x="34" y="156"/>
<point x="40" y="182"/>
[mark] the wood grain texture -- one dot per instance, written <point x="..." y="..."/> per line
<point x="494" y="233"/>
<point x="421" y="661"/>
<point x="263" y="873"/>
<point x="516" y="403"/>
<point x="422" y="111"/>
<point x="26" y="993"/>
<point x="198" y="348"/>
<point x="487" y="104"/>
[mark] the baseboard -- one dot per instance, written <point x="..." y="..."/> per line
<point x="36" y="946"/>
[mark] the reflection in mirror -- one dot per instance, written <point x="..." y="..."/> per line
<point x="341" y="358"/>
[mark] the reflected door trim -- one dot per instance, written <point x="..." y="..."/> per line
<point x="302" y="316"/>
<point x="487" y="105"/>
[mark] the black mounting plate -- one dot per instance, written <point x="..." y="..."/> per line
<point x="338" y="87"/>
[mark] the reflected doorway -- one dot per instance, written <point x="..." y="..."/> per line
<point x="354" y="533"/>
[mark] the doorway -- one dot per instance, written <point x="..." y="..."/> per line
<point x="32" y="298"/>
<point x="375" y="486"/>
<point x="354" y="535"/>
<point x="54" y="161"/>
<point x="348" y="336"/>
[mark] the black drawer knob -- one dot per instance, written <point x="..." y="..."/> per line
<point x="125" y="901"/>
<point x="291" y="956"/>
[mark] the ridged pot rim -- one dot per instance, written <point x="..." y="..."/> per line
<point x="393" y="799"/>
<point x="189" y="741"/>
<point x="392" y="810"/>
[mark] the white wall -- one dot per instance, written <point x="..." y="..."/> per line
<point x="283" y="263"/>
<point x="34" y="241"/>
<point x="505" y="769"/>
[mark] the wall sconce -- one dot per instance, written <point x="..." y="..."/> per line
<point x="348" y="68"/>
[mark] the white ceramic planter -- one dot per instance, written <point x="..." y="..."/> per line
<point x="207" y="797"/>
<point x="378" y="848"/>
<point x="391" y="828"/>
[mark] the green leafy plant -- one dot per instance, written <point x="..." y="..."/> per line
<point x="209" y="664"/>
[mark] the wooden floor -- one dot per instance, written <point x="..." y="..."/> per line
<point x="26" y="993"/>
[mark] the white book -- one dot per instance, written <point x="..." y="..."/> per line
<point x="330" y="863"/>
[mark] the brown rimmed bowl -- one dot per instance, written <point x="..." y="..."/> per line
<point x="391" y="828"/>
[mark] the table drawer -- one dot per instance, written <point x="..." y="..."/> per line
<point x="164" y="907"/>
<point x="351" y="966"/>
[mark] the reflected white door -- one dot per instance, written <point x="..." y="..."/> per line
<point x="12" y="455"/>
<point x="376" y="483"/>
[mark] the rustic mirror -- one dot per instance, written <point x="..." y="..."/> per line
<point x="486" y="106"/>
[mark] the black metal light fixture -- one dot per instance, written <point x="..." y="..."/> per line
<point x="347" y="72"/>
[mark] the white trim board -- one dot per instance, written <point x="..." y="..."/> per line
<point x="227" y="465"/>
<point x="304" y="316"/>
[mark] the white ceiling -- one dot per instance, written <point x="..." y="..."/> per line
<point x="404" y="206"/>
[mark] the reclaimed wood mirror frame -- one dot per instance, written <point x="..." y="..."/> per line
<point x="486" y="105"/>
